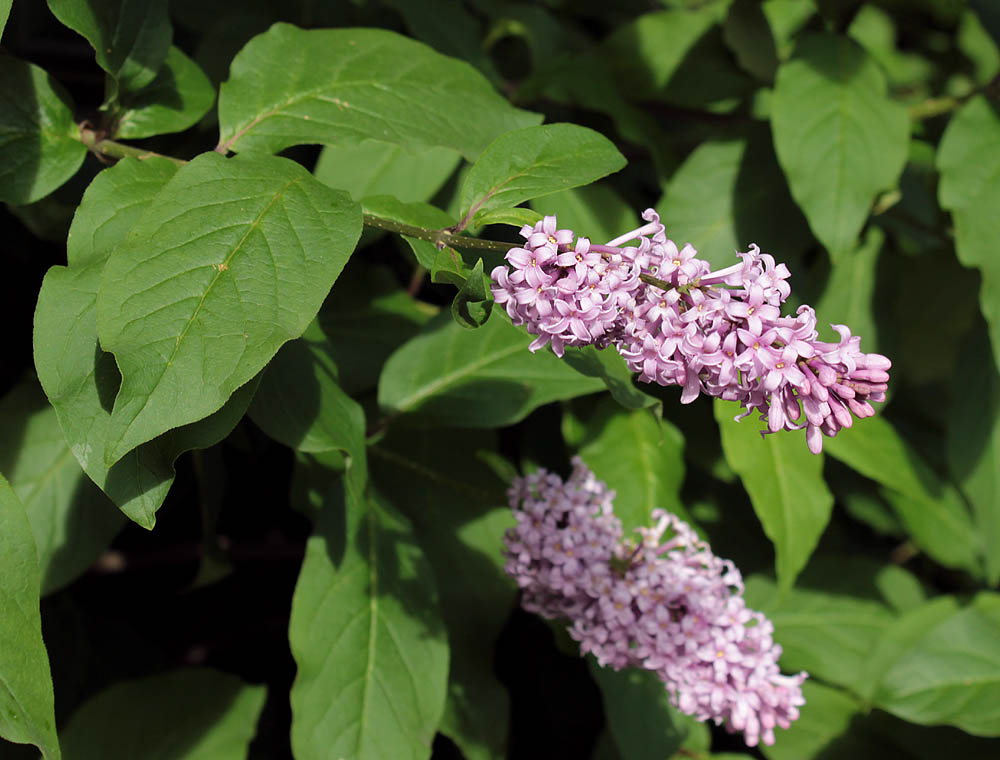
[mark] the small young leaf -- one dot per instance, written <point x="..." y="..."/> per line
<point x="448" y="267"/>
<point x="372" y="665"/>
<point x="785" y="484"/>
<point x="26" y="704"/>
<point x="839" y="138"/>
<point x="72" y="520"/>
<point x="483" y="378"/>
<point x="515" y="217"/>
<point x="373" y="167"/>
<point x="39" y="145"/>
<point x="131" y="38"/>
<point x="177" y="99"/>
<point x="200" y="297"/>
<point x="473" y="302"/>
<point x="191" y="714"/>
<point x="291" y="86"/>
<point x="970" y="189"/>
<point x="611" y="368"/>
<point x="533" y="162"/>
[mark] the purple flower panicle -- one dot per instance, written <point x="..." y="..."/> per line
<point x="662" y="602"/>
<point x="676" y="322"/>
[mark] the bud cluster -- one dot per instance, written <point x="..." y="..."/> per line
<point x="663" y="602"/>
<point x="676" y="322"/>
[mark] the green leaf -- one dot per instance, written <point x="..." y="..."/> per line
<point x="39" y="141"/>
<point x="595" y="211"/>
<point x="198" y="299"/>
<point x="785" y="484"/>
<point x="179" y="96"/>
<point x="473" y="303"/>
<point x="131" y="38"/>
<point x="79" y="378"/>
<point x="639" y="456"/>
<point x="828" y="632"/>
<point x="978" y="46"/>
<point x="639" y="714"/>
<point x="825" y="721"/>
<point x="748" y="34"/>
<point x="970" y="189"/>
<point x="291" y="86"/>
<point x="26" y="703"/>
<point x="300" y="404"/>
<point x="786" y="18"/>
<point x="4" y="13"/>
<point x="515" y="217"/>
<point x="839" y="138"/>
<point x="366" y="635"/>
<point x="448" y="266"/>
<point x="534" y="162"/>
<point x="849" y="298"/>
<point x="72" y="520"/>
<point x="727" y="195"/>
<point x="373" y="167"/>
<point x="439" y="479"/>
<point x="931" y="511"/>
<point x="949" y="672"/>
<point x="973" y="444"/>
<point x="419" y="214"/>
<point x="189" y="714"/>
<point x="612" y="370"/>
<point x="483" y="378"/>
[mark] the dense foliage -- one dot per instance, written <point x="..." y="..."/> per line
<point x="263" y="398"/>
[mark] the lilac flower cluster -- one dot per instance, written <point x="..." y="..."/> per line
<point x="663" y="602"/>
<point x="676" y="322"/>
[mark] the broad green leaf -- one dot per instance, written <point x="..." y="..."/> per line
<point x="639" y="456"/>
<point x="611" y="368"/>
<point x="483" y="378"/>
<point x="72" y="520"/>
<point x="199" y="298"/>
<point x="829" y="633"/>
<point x="748" y="35"/>
<point x="515" y="217"/>
<point x="39" y="144"/>
<point x="534" y="162"/>
<point x="839" y="138"/>
<point x="786" y="18"/>
<point x="439" y="480"/>
<point x="637" y="708"/>
<point x="26" y="702"/>
<point x="951" y="673"/>
<point x="4" y="13"/>
<point x="785" y="484"/>
<point x="176" y="99"/>
<point x="130" y="38"/>
<point x="970" y="189"/>
<point x="931" y="511"/>
<point x="300" y="404"/>
<point x="849" y="298"/>
<point x="473" y="302"/>
<point x="189" y="714"/>
<point x="594" y="211"/>
<point x="291" y="86"/>
<point x="367" y="636"/>
<point x="78" y="377"/>
<point x="727" y="195"/>
<point x="418" y="214"/>
<point x="365" y="318"/>
<point x="874" y="29"/>
<point x="826" y="720"/>
<point x="373" y="167"/>
<point x="973" y="444"/>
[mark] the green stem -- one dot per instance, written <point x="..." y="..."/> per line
<point x="440" y="238"/>
<point x="104" y="149"/>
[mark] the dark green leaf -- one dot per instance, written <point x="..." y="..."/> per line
<point x="26" y="703"/>
<point x="39" y="144"/>
<point x="291" y="86"/>
<point x="72" y="520"/>
<point x="748" y="34"/>
<point x="481" y="378"/>
<point x="373" y="167"/>
<point x="970" y="189"/>
<point x="931" y="511"/>
<point x="448" y="266"/>
<point x="849" y="298"/>
<point x="130" y="38"/>
<point x="824" y="721"/>
<point x="199" y="298"/>
<point x="192" y="714"/>
<point x="785" y="484"/>
<point x="473" y="302"/>
<point x="300" y="403"/>
<point x="611" y="368"/>
<point x="839" y="138"/>
<point x="516" y="217"/>
<point x="534" y="162"/>
<point x="177" y="99"/>
<point x="367" y="636"/>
